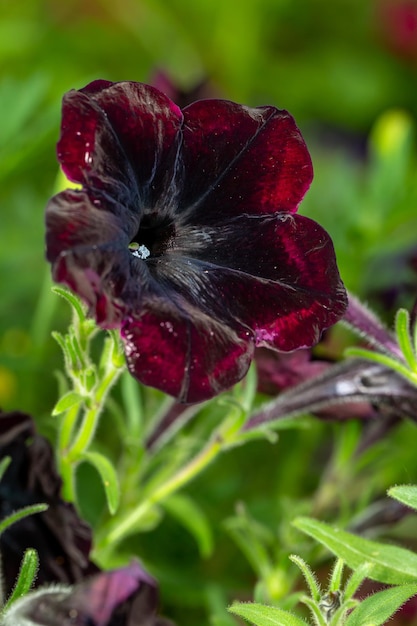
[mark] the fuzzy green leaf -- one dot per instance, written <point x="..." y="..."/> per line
<point x="390" y="564"/>
<point x="309" y="576"/>
<point x="379" y="607"/>
<point x="72" y="300"/>
<point x="27" y="575"/>
<point x="20" y="514"/>
<point x="407" y="494"/>
<point x="262" y="615"/>
<point x="402" y="330"/>
<point x="193" y="519"/>
<point x="108" y="476"/>
<point x="70" y="399"/>
<point x="383" y="359"/>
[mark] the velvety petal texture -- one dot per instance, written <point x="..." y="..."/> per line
<point x="124" y="597"/>
<point x="61" y="538"/>
<point x="184" y="234"/>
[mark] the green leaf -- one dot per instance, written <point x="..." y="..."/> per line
<point x="27" y="574"/>
<point x="384" y="359"/>
<point x="309" y="576"/>
<point x="402" y="331"/>
<point x="20" y="514"/>
<point x="4" y="464"/>
<point x="254" y="540"/>
<point x="390" y="564"/>
<point x="262" y="615"/>
<point x="108" y="476"/>
<point x="73" y="300"/>
<point x="379" y="607"/>
<point x="68" y="400"/>
<point x="407" y="494"/>
<point x="356" y="579"/>
<point x="193" y="519"/>
<point x="336" y="577"/>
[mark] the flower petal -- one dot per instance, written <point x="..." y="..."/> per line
<point x="241" y="160"/>
<point x="122" y="138"/>
<point x="89" y="150"/>
<point x="61" y="538"/>
<point x="275" y="275"/>
<point x="188" y="357"/>
<point x="210" y="196"/>
<point x="75" y="218"/>
<point x="102" y="277"/>
<point x="124" y="597"/>
<point x="280" y="370"/>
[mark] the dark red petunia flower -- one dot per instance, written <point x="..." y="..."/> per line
<point x="124" y="597"/>
<point x="278" y="371"/>
<point x="61" y="538"/>
<point x="184" y="234"/>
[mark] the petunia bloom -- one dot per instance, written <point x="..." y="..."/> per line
<point x="60" y="537"/>
<point x="184" y="233"/>
<point x="124" y="597"/>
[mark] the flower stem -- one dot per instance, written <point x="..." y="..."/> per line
<point x="66" y="472"/>
<point x="187" y="473"/>
<point x="91" y="417"/>
<point x="67" y="428"/>
<point x="72" y="446"/>
<point x="182" y="477"/>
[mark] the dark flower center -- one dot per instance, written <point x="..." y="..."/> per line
<point x="152" y="239"/>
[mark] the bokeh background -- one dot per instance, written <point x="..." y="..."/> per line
<point x="346" y="70"/>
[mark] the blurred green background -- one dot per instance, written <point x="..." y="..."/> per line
<point x="346" y="70"/>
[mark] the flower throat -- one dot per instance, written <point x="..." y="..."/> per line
<point x="152" y="239"/>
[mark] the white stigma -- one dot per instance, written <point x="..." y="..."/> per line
<point x="139" y="251"/>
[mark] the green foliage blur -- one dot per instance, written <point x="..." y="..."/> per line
<point x="347" y="72"/>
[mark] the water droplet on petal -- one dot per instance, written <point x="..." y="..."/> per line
<point x="168" y="326"/>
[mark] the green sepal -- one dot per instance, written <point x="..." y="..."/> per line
<point x="27" y="575"/>
<point x="390" y="564"/>
<point x="402" y="331"/>
<point x="108" y="476"/>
